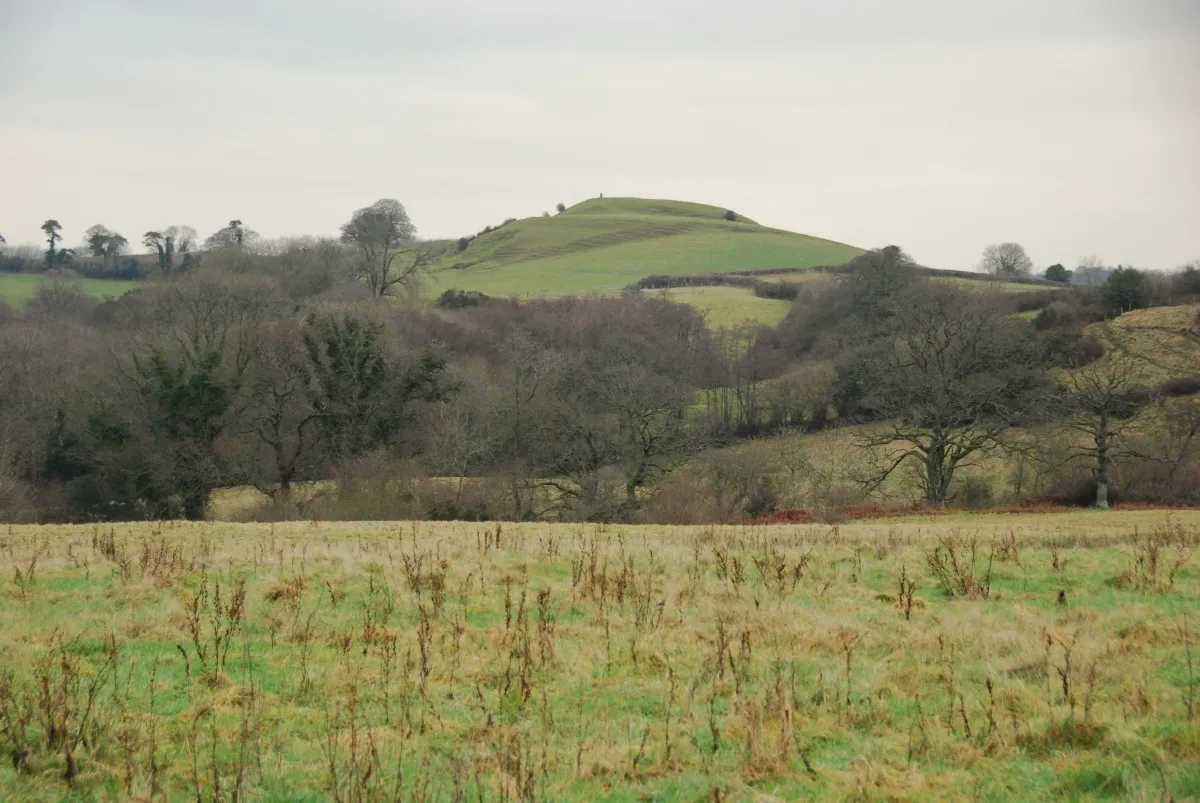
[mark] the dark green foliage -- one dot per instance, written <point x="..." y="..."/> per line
<point x="97" y="243"/>
<point x="349" y="376"/>
<point x="189" y="397"/>
<point x="53" y="231"/>
<point x="188" y="402"/>
<point x="1057" y="273"/>
<point x="1128" y="289"/>
<point x="782" y="291"/>
<point x="359" y="397"/>
<point x="457" y="299"/>
<point x="154" y="239"/>
<point x="1187" y="282"/>
<point x="104" y="473"/>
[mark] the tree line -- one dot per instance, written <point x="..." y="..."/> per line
<point x="301" y="370"/>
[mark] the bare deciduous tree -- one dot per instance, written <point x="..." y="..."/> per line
<point x="953" y="379"/>
<point x="1100" y="402"/>
<point x="620" y="418"/>
<point x="384" y="240"/>
<point x="524" y="382"/>
<point x="312" y="265"/>
<point x="1006" y="259"/>
<point x="234" y="235"/>
<point x="281" y="413"/>
<point x="14" y="495"/>
<point x="1091" y="270"/>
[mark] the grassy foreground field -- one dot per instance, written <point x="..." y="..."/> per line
<point x="405" y="661"/>
<point x="19" y="288"/>
<point x="605" y="244"/>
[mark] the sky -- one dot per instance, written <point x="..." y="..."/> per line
<point x="1070" y="126"/>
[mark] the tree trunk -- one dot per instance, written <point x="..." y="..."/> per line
<point x="937" y="476"/>
<point x="518" y="506"/>
<point x="1102" y="462"/>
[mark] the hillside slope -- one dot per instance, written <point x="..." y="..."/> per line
<point x="18" y="288"/>
<point x="1163" y="342"/>
<point x="605" y="244"/>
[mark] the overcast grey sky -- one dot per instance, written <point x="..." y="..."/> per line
<point x="939" y="125"/>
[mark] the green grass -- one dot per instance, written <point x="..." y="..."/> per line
<point x="583" y="662"/>
<point x="19" y="288"/>
<point x="988" y="282"/>
<point x="817" y="279"/>
<point x="728" y="306"/>
<point x="605" y="244"/>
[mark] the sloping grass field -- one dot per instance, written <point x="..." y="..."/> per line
<point x="19" y="288"/>
<point x="606" y="244"/>
<point x="992" y="657"/>
<point x="1163" y="342"/>
<point x="728" y="306"/>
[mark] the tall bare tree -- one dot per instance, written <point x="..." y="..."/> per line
<point x="1006" y="260"/>
<point x="620" y="418"/>
<point x="524" y="379"/>
<point x="954" y="377"/>
<point x="234" y="235"/>
<point x="1101" y="401"/>
<point x="281" y="412"/>
<point x="1091" y="270"/>
<point x="384" y="239"/>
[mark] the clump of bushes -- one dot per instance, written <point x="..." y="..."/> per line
<point x="976" y="493"/>
<point x="1181" y="386"/>
<point x="784" y="291"/>
<point x="458" y="299"/>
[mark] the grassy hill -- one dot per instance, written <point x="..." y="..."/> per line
<point x="18" y="288"/>
<point x="1163" y="342"/>
<point x="603" y="245"/>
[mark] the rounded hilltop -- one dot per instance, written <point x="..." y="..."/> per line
<point x="604" y="244"/>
